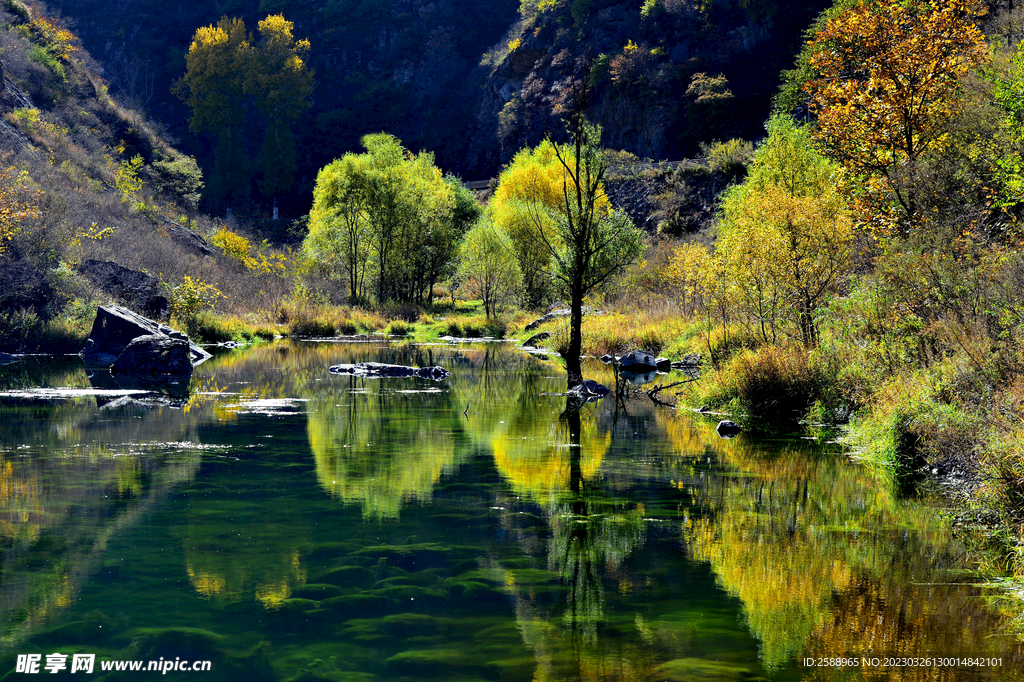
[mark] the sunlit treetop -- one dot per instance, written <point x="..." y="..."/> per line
<point x="888" y="78"/>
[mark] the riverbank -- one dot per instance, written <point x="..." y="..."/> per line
<point x="947" y="421"/>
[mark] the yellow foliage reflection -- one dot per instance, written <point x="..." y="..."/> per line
<point x="230" y="557"/>
<point x="232" y="576"/>
<point x="381" y="449"/>
<point x="20" y="506"/>
<point x="507" y="414"/>
<point x="536" y="460"/>
<point x="800" y="536"/>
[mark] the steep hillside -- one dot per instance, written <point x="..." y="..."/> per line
<point x="85" y="182"/>
<point x="442" y="75"/>
<point x="667" y="74"/>
<point x="408" y="67"/>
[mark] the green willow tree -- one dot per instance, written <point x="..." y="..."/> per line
<point x="388" y="216"/>
<point x="339" y="229"/>
<point x="488" y="272"/>
<point x="226" y="70"/>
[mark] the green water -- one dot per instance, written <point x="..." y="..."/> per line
<point x="287" y="524"/>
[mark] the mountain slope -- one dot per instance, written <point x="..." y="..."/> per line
<point x="441" y="76"/>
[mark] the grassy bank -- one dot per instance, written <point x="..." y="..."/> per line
<point x="906" y="404"/>
<point x="26" y="332"/>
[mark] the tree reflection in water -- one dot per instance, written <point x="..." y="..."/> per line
<point x="590" y="536"/>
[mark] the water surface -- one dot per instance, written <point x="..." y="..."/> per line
<point x="288" y="524"/>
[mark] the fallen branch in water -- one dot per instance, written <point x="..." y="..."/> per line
<point x="654" y="393"/>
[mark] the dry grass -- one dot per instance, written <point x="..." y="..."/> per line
<point x="304" y="317"/>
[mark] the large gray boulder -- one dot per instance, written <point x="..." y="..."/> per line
<point x="114" y="330"/>
<point x="154" y="354"/>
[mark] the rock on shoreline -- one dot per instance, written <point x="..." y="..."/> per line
<point x="130" y="343"/>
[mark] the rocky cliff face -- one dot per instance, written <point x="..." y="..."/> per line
<point x="408" y="67"/>
<point x="664" y="78"/>
<point x="475" y="81"/>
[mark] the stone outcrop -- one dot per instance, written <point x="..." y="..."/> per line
<point x="727" y="429"/>
<point x="380" y="370"/>
<point x="23" y="286"/>
<point x="547" y="317"/>
<point x="116" y="328"/>
<point x="137" y="290"/>
<point x="638" y="362"/>
<point x="186" y="238"/>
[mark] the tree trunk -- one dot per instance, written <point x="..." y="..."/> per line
<point x="572" y="353"/>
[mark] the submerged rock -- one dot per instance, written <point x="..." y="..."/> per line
<point x="589" y="390"/>
<point x="382" y="370"/>
<point x="114" y="330"/>
<point x="533" y="340"/>
<point x="727" y="429"/>
<point x="148" y="390"/>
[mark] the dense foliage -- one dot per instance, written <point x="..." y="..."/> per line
<point x="387" y="222"/>
<point x="887" y="84"/>
<point x="227" y="70"/>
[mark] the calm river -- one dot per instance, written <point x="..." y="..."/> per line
<point x="284" y="523"/>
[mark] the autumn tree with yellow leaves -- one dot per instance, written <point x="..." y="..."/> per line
<point x="785" y="237"/>
<point x="524" y="207"/>
<point x="18" y="203"/>
<point x="226" y="70"/>
<point x="887" y="79"/>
